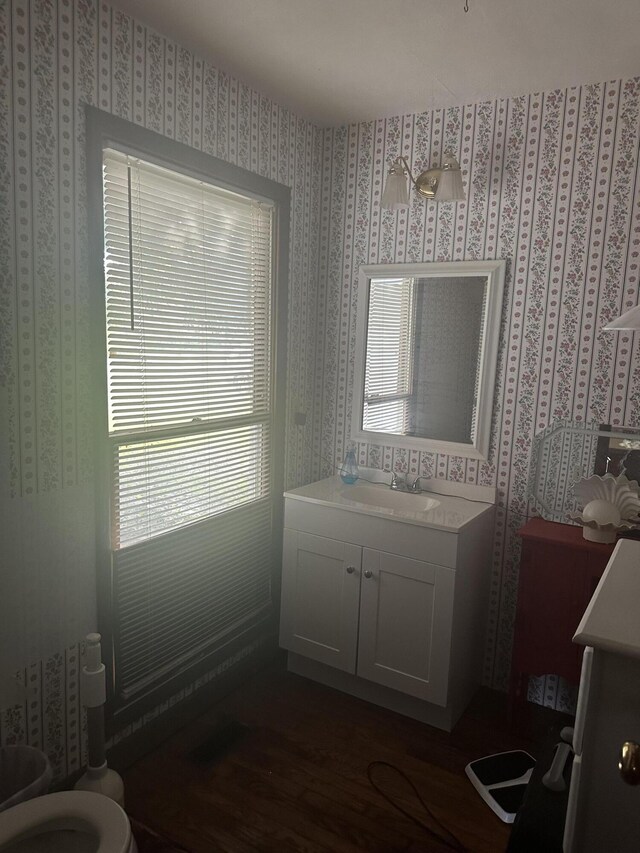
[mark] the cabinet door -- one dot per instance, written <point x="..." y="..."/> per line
<point x="406" y="609"/>
<point x="604" y="815"/>
<point x="320" y="597"/>
<point x="557" y="580"/>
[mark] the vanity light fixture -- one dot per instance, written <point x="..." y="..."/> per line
<point x="441" y="184"/>
<point x="627" y="322"/>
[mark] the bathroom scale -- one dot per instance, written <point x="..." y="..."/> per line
<point x="501" y="780"/>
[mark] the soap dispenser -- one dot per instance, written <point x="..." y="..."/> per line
<point x="349" y="470"/>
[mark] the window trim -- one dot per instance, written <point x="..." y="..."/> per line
<point x="104" y="130"/>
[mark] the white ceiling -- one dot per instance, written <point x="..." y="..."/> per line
<point x="343" y="61"/>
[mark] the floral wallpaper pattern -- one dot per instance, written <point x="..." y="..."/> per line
<point x="553" y="188"/>
<point x="56" y="56"/>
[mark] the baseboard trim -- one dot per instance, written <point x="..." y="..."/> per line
<point x="129" y="750"/>
<point x="434" y="715"/>
<point x="135" y="746"/>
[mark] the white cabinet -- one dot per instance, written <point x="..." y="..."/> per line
<point x="391" y="612"/>
<point x="381" y="616"/>
<point x="406" y="609"/>
<point x="604" y="811"/>
<point x="320" y="598"/>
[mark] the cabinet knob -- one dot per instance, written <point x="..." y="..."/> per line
<point x="368" y="573"/>
<point x="350" y="570"/>
<point x="629" y="762"/>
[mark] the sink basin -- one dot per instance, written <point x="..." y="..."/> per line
<point x="383" y="496"/>
<point x="450" y="512"/>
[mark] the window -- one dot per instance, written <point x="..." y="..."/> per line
<point x="388" y="376"/>
<point x="188" y="296"/>
<point x="192" y="439"/>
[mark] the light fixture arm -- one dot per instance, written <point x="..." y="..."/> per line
<point x="426" y="183"/>
<point x="402" y="159"/>
<point x="443" y="183"/>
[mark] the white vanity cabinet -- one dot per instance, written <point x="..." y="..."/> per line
<point x="603" y="814"/>
<point x="320" y="598"/>
<point x="381" y="616"/>
<point x="406" y="613"/>
<point x="392" y="611"/>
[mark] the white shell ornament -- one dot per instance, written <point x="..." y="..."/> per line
<point x="610" y="504"/>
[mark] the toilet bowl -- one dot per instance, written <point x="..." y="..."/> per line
<point x="67" y="822"/>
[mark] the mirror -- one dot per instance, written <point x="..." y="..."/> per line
<point x="566" y="451"/>
<point x="426" y="352"/>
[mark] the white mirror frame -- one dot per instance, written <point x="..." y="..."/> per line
<point x="495" y="273"/>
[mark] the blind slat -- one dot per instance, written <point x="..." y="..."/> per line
<point x="199" y="285"/>
<point x="231" y="580"/>
<point x="389" y="355"/>
<point x="188" y="296"/>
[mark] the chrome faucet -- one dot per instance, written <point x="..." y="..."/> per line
<point x="396" y="484"/>
<point x="399" y="484"/>
<point x="414" y="488"/>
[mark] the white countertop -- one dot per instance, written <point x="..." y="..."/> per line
<point x="451" y="511"/>
<point x="612" y="619"/>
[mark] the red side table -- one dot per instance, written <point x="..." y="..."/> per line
<point x="559" y="571"/>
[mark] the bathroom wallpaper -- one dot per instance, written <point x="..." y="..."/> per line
<point x="553" y="188"/>
<point x="55" y="57"/>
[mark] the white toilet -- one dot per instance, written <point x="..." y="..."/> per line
<point x="67" y="822"/>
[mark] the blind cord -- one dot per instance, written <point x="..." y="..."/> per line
<point x="130" y="212"/>
<point x="448" y="839"/>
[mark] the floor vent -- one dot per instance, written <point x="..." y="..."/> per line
<point x="215" y="746"/>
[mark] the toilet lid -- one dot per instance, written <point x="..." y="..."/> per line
<point x="103" y="815"/>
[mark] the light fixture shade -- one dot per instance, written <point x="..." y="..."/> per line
<point x="450" y="186"/>
<point x="627" y="322"/>
<point x="395" y="195"/>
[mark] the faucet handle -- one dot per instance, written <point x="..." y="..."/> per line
<point x="394" y="481"/>
<point x="415" y="486"/>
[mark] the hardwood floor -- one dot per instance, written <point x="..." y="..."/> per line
<point x="296" y="780"/>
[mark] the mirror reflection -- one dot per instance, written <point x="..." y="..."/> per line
<point x="422" y="367"/>
<point x="566" y="451"/>
<point x="426" y="353"/>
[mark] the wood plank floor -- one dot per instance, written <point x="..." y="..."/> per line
<point x="296" y="780"/>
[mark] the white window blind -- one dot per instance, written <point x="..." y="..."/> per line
<point x="165" y="484"/>
<point x="389" y="356"/>
<point x="188" y="279"/>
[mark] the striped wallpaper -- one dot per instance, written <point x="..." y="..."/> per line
<point x="55" y="57"/>
<point x="553" y="188"/>
<point x="552" y="184"/>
